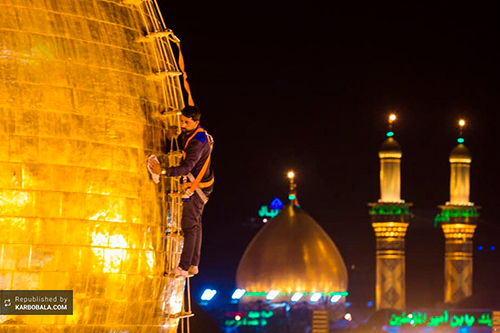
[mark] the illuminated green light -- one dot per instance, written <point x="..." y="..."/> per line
<point x="389" y="210"/>
<point x="291" y="197"/>
<point x="341" y="293"/>
<point x="256" y="293"/>
<point x="390" y="134"/>
<point x="446" y="319"/>
<point x="265" y="211"/>
<point x="449" y="213"/>
<point x="254" y="318"/>
<point x="460" y="140"/>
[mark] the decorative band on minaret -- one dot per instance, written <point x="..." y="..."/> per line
<point x="458" y="220"/>
<point x="390" y="218"/>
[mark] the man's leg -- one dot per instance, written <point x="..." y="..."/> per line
<point x="191" y="227"/>
<point x="195" y="261"/>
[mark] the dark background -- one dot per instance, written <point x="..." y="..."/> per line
<point x="308" y="86"/>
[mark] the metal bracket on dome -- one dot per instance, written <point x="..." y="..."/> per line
<point x="169" y="117"/>
<point x="159" y="76"/>
<point x="159" y="34"/>
<point x="181" y="315"/>
<point x="134" y="2"/>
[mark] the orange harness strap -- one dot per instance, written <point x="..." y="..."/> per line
<point x="198" y="130"/>
<point x="197" y="181"/>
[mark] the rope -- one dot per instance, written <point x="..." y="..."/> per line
<point x="184" y="74"/>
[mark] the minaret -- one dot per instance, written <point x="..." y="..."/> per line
<point x="390" y="218"/>
<point x="292" y="194"/>
<point x="458" y="219"/>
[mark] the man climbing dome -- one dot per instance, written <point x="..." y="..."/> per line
<point x="196" y="166"/>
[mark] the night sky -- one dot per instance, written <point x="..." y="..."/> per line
<point x="309" y="87"/>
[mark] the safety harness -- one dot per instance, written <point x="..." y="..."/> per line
<point x="195" y="184"/>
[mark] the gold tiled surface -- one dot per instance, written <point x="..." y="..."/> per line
<point x="78" y="210"/>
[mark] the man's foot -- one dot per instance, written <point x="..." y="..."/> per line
<point x="179" y="272"/>
<point x="193" y="270"/>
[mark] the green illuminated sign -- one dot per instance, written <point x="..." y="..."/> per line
<point x="459" y="320"/>
<point x="245" y="322"/>
<point x="341" y="293"/>
<point x="265" y="211"/>
<point x="389" y="210"/>
<point x="253" y="318"/>
<point x="390" y="134"/>
<point x="257" y="314"/>
<point x="446" y="214"/>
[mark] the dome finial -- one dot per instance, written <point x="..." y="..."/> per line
<point x="392" y="119"/>
<point x="292" y="196"/>
<point x="461" y="123"/>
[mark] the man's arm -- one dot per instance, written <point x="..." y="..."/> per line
<point x="193" y="155"/>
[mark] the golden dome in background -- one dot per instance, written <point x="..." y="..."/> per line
<point x="292" y="253"/>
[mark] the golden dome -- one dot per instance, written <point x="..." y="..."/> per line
<point x="292" y="253"/>
<point x="390" y="149"/>
<point x="460" y="154"/>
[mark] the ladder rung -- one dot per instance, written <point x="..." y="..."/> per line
<point x="172" y="275"/>
<point x="133" y="2"/>
<point x="180" y="315"/>
<point x="153" y="35"/>
<point x="163" y="74"/>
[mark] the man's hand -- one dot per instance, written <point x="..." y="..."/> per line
<point x="155" y="166"/>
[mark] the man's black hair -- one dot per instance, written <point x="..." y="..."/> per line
<point x="192" y="112"/>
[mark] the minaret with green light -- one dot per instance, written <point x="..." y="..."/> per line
<point x="390" y="217"/>
<point x="292" y="196"/>
<point x="458" y="220"/>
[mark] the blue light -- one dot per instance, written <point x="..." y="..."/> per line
<point x="464" y="329"/>
<point x="272" y="295"/>
<point x="276" y="203"/>
<point x="208" y="294"/>
<point x="238" y="293"/>
<point x="480" y="247"/>
<point x="315" y="297"/>
<point x="460" y="140"/>
<point x="296" y="297"/>
<point x="335" y="298"/>
<point x="492" y="248"/>
<point x="390" y="134"/>
<point x="370" y="303"/>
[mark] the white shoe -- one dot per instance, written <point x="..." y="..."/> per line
<point x="179" y="272"/>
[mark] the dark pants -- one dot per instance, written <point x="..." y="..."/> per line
<point x="191" y="226"/>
